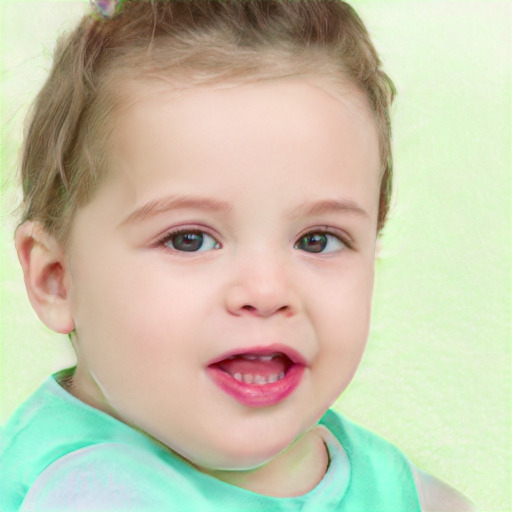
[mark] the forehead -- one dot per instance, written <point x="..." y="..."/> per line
<point x="135" y="92"/>
<point x="213" y="137"/>
<point x="230" y="106"/>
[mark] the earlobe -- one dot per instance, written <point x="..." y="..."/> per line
<point x="46" y="276"/>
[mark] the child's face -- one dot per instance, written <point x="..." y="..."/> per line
<point x="273" y="189"/>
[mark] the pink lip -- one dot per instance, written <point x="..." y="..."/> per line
<point x="259" y="395"/>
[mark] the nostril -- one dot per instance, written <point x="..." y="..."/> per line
<point x="287" y="310"/>
<point x="257" y="311"/>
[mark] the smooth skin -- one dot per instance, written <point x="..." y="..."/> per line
<point x="232" y="217"/>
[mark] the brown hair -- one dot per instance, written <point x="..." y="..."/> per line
<point x="185" y="42"/>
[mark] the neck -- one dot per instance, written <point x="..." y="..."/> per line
<point x="294" y="472"/>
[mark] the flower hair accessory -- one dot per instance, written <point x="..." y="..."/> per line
<point x="105" y="9"/>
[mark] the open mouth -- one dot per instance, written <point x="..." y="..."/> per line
<point x="258" y="378"/>
<point x="256" y="369"/>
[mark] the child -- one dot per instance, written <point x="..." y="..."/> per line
<point x="203" y="183"/>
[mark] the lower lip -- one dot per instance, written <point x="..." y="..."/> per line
<point x="258" y="395"/>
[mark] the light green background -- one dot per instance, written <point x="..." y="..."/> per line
<point x="436" y="376"/>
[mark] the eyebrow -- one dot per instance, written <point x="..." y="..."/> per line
<point x="328" y="206"/>
<point x="164" y="204"/>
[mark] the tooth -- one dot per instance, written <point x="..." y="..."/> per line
<point x="238" y="376"/>
<point x="280" y="376"/>
<point x="252" y="357"/>
<point x="258" y="379"/>
<point x="248" y="378"/>
<point x="273" y="378"/>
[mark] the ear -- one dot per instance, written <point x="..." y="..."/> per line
<point x="47" y="277"/>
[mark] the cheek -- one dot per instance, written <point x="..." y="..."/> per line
<point x="342" y="317"/>
<point x="342" y="336"/>
<point x="343" y="296"/>
<point x="138" y="315"/>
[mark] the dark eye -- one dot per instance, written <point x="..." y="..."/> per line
<point x="190" y="241"/>
<point x="316" y="242"/>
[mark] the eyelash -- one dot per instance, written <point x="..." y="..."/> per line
<point x="325" y="230"/>
<point x="166" y="237"/>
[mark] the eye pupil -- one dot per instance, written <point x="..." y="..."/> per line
<point x="313" y="243"/>
<point x="188" y="242"/>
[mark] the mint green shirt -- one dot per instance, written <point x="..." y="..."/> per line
<point x="57" y="453"/>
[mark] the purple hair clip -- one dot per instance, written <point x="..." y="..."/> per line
<point x="105" y="9"/>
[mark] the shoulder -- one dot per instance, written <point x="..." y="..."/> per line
<point x="361" y="443"/>
<point x="433" y="494"/>
<point x="437" y="496"/>
<point x="57" y="453"/>
<point x="47" y="426"/>
<point x="109" y="476"/>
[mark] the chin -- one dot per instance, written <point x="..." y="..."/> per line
<point x="240" y="455"/>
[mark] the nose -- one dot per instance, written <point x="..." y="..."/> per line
<point x="262" y="287"/>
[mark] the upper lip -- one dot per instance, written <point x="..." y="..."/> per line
<point x="263" y="350"/>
